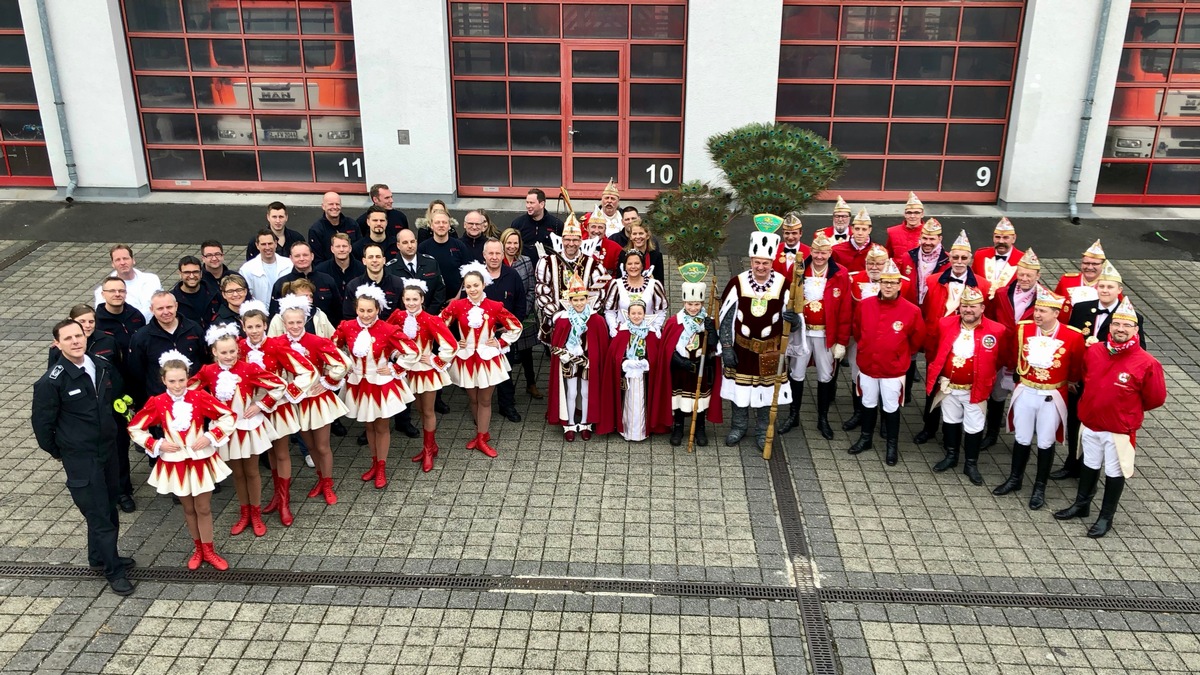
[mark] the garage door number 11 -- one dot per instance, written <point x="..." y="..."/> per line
<point x="346" y="164"/>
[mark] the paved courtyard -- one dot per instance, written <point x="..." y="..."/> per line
<point x="612" y="557"/>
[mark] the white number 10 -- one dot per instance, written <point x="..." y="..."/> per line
<point x="665" y="173"/>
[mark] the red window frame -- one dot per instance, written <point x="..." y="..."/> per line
<point x="245" y="76"/>
<point x="990" y="165"/>
<point x="9" y="142"/>
<point x="1140" y="104"/>
<point x="586" y="190"/>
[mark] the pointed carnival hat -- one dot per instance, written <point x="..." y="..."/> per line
<point x="822" y="242"/>
<point x="694" y="288"/>
<point x="571" y="227"/>
<point x="576" y="288"/>
<point x="962" y="243"/>
<point x="611" y="189"/>
<point x="1045" y="298"/>
<point x="971" y="296"/>
<point x="932" y="226"/>
<point x="765" y="243"/>
<point x="890" y="271"/>
<point x="913" y="201"/>
<point x="1110" y="273"/>
<point x="1095" y="251"/>
<point x="1030" y="261"/>
<point x="1005" y="226"/>
<point x="1125" y="311"/>
<point x="862" y="217"/>
<point x="877" y="252"/>
<point x="791" y="221"/>
<point x="841" y="206"/>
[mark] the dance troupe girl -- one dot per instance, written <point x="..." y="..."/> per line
<point x="577" y="347"/>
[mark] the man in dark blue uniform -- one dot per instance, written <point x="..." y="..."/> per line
<point x="73" y="421"/>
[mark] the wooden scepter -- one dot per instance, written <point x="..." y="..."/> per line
<point x="566" y="198"/>
<point x="793" y="304"/>
<point x="700" y="371"/>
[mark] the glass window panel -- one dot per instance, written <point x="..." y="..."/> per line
<point x="170" y="128"/>
<point x="10" y="14"/>
<point x="335" y="56"/>
<point x="476" y="19"/>
<point x="819" y="128"/>
<point x="975" y="139"/>
<point x="532" y="20"/>
<point x="925" y="63"/>
<point x="1122" y="179"/>
<point x="479" y="97"/>
<point x="14" y="53"/>
<point x="333" y="93"/>
<point x="665" y="100"/>
<point x="1142" y="103"/>
<point x="267" y="16"/>
<point x="1180" y="104"/>
<point x="655" y="137"/>
<point x="595" y="98"/>
<point x="913" y="174"/>
<point x="1171" y="179"/>
<point x="158" y="53"/>
<point x="913" y="100"/>
<point x="658" y="22"/>
<point x="985" y="63"/>
<point x="336" y="130"/>
<point x="1144" y="65"/>
<point x="478" y="58"/>
<point x="287" y="167"/>
<point x="863" y="100"/>
<point x="537" y="135"/>
<point x="175" y="164"/>
<point x="227" y="129"/>
<point x="203" y="17"/>
<point x="970" y="176"/>
<point x="1187" y="62"/>
<point x="810" y="23"/>
<point x="339" y="167"/>
<point x="18" y="88"/>
<point x="485" y="170"/>
<point x="861" y="174"/>
<point x="593" y="169"/>
<point x="219" y="92"/>
<point x="534" y="98"/>
<point x="980" y="102"/>
<point x="596" y="21"/>
<point x="1129" y="141"/>
<point x="534" y="60"/>
<point x="321" y="18"/>
<point x="870" y="23"/>
<point x="1178" y="142"/>
<point x="277" y="94"/>
<point x="653" y="173"/>
<point x="237" y="165"/>
<point x="153" y="91"/>
<point x="929" y="23"/>
<point x="537" y="170"/>
<point x="916" y="139"/>
<point x="592" y="136"/>
<point x="991" y="24"/>
<point x="216" y="54"/>
<point x="1152" y="25"/>
<point x="1191" y="26"/>
<point x="482" y="134"/>
<point x="806" y="61"/>
<point x="875" y="63"/>
<point x="664" y="61"/>
<point x="796" y="100"/>
<point x="158" y="16"/>
<point x="21" y="125"/>
<point x="868" y="138"/>
<point x="28" y="160"/>
<point x="605" y="63"/>
<point x="273" y="54"/>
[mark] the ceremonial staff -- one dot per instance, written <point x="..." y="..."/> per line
<point x="794" y="294"/>
<point x="712" y="301"/>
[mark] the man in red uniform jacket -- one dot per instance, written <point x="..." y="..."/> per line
<point x="925" y="259"/>
<point x="904" y="237"/>
<point x="864" y="284"/>
<point x="888" y="331"/>
<point x="1008" y="307"/>
<point x="998" y="263"/>
<point x="1080" y="286"/>
<point x="791" y="249"/>
<point x="608" y="252"/>
<point x="840" y="230"/>
<point x="1124" y="382"/>
<point x="852" y="255"/>
<point x="964" y="353"/>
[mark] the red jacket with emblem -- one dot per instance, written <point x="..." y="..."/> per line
<point x="992" y="350"/>
<point x="851" y="258"/>
<point x="781" y="264"/>
<point x="888" y="333"/>
<point x="1120" y="388"/>
<point x="835" y="303"/>
<point x="937" y="294"/>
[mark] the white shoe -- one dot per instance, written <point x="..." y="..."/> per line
<point x="309" y="461"/>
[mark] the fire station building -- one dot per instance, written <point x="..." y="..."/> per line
<point x="962" y="101"/>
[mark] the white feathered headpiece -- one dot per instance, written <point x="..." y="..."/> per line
<point x="295" y="301"/>
<point x="478" y="267"/>
<point x="219" y="331"/>
<point x="373" y="292"/>
<point x="417" y="284"/>
<point x="251" y="305"/>
<point x="173" y="355"/>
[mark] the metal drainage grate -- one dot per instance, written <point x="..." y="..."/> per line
<point x="1039" y="600"/>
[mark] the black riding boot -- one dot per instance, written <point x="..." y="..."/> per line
<point x="677" y="429"/>
<point x="856" y="418"/>
<point x="825" y="391"/>
<point x="1020" y="459"/>
<point x="971" y="452"/>
<point x="1113" y="487"/>
<point x="951" y="437"/>
<point x="869" y="416"/>
<point x="792" y="420"/>
<point x="1045" y="460"/>
<point x="701" y="436"/>
<point x="1071" y="467"/>
<point x="738" y="424"/>
<point x="891" y="421"/>
<point x="1088" y="477"/>
<point x="931" y="419"/>
<point x="995" y="417"/>
<point x="909" y="376"/>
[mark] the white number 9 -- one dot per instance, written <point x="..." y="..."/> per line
<point x="984" y="174"/>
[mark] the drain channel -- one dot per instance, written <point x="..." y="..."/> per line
<point x="984" y="599"/>
<point x="17" y="255"/>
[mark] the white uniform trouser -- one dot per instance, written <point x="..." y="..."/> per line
<point x="1099" y="448"/>
<point x="1035" y="412"/>
<point x="821" y="355"/>
<point x="1003" y="387"/>
<point x="958" y="409"/>
<point x="575" y="393"/>
<point x="887" y="389"/>
<point x="852" y="355"/>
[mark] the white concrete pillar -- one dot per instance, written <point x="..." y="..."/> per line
<point x="1054" y="66"/>
<point x="404" y="84"/>
<point x="732" y="74"/>
<point x="97" y="87"/>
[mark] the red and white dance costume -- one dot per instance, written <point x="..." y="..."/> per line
<point x="478" y="365"/>
<point x="434" y="340"/>
<point x="330" y="366"/>
<point x="236" y="387"/>
<point x="375" y="387"/>
<point x="577" y="348"/>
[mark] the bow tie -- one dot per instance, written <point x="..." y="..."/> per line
<point x="1101" y="310"/>
<point x="1002" y="258"/>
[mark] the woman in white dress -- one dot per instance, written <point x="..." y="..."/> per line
<point x="634" y="284"/>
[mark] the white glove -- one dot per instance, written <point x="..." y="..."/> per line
<point x="839" y="352"/>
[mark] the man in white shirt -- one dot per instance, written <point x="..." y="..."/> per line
<point x="264" y="269"/>
<point x="139" y="285"/>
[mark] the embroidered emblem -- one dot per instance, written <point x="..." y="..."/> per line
<point x="897" y="325"/>
<point x="988" y="341"/>
<point x="837" y="292"/>
<point x="1123" y="378"/>
<point x="758" y="306"/>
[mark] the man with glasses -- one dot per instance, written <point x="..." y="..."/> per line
<point x="474" y="236"/>
<point x="840" y="230"/>
<point x="212" y="254"/>
<point x="121" y="321"/>
<point x="194" y="298"/>
<point x="906" y="236"/>
<point x="1080" y="286"/>
<point x="263" y="270"/>
<point x="277" y="218"/>
<point x="139" y="285"/>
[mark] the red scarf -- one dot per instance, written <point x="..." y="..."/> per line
<point x="1114" y="349"/>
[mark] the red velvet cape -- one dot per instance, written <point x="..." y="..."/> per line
<point x="658" y="391"/>
<point x="595" y="344"/>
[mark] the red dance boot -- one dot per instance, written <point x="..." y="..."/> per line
<point x="428" y="452"/>
<point x="316" y="488"/>
<point x="483" y="445"/>
<point x="380" y="475"/>
<point x="285" y="502"/>
<point x="193" y="562"/>
<point x="327" y="491"/>
<point x="474" y="442"/>
<point x="242" y="522"/>
<point x="211" y="557"/>
<point x="370" y="474"/>
<point x="256" y="521"/>
<point x="273" y="505"/>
